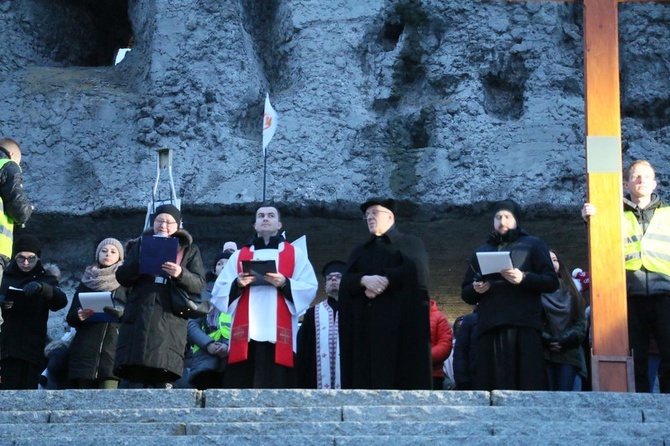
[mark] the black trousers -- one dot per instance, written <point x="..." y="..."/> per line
<point x="510" y="358"/>
<point x="259" y="371"/>
<point x="649" y="316"/>
<point x="17" y="374"/>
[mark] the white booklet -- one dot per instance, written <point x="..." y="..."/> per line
<point x="494" y="262"/>
<point x="96" y="301"/>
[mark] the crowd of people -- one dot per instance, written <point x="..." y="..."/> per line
<point x="378" y="328"/>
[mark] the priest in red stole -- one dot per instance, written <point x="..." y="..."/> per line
<point x="264" y="308"/>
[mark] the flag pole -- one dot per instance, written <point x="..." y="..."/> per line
<point x="269" y="127"/>
<point x="265" y="171"/>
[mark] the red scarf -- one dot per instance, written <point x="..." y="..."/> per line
<point x="239" y="336"/>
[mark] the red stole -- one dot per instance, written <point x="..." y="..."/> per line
<point x="239" y="336"/>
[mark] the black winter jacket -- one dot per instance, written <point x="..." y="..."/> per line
<point x="93" y="348"/>
<point x="151" y="343"/>
<point x="24" y="331"/>
<point x="507" y="304"/>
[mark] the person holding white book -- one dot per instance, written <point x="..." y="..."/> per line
<point x="93" y="348"/>
<point x="509" y="348"/>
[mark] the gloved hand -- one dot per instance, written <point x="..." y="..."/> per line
<point x="116" y="312"/>
<point x="32" y="289"/>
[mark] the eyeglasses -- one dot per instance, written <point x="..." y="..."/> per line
<point x="29" y="259"/>
<point x="165" y="222"/>
<point x="334" y="276"/>
<point x="375" y="213"/>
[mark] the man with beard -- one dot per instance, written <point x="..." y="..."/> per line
<point x="264" y="309"/>
<point x="646" y="232"/>
<point x="318" y="360"/>
<point x="384" y="305"/>
<point x="509" y="348"/>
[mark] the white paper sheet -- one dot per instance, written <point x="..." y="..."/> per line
<point x="494" y="262"/>
<point x="96" y="301"/>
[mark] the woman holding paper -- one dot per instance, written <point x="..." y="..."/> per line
<point x="150" y="348"/>
<point x="509" y="349"/>
<point x="94" y="345"/>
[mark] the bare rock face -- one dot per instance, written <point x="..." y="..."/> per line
<point x="444" y="105"/>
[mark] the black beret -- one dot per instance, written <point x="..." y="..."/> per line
<point x="388" y="203"/>
<point x="336" y="266"/>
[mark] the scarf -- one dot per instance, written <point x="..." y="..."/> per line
<point x="101" y="279"/>
<point x="557" y="311"/>
<point x="327" y="347"/>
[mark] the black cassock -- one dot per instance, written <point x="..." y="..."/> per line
<point x="385" y="342"/>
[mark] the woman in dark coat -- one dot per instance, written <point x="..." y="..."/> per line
<point x="94" y="345"/>
<point x="509" y="348"/>
<point x="151" y="344"/>
<point x="24" y="331"/>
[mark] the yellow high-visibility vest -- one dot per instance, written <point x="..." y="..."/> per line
<point x="651" y="249"/>
<point x="6" y="224"/>
<point x="223" y="331"/>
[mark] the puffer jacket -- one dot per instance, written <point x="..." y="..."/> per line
<point x="93" y="348"/>
<point x="151" y="343"/>
<point x="24" y="331"/>
<point x="441" y="338"/>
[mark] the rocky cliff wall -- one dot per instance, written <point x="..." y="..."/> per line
<point x="444" y="105"/>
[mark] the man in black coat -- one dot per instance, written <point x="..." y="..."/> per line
<point x="384" y="307"/>
<point x="509" y="347"/>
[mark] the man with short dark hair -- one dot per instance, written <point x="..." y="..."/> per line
<point x="318" y="360"/>
<point x="384" y="305"/>
<point x="264" y="309"/>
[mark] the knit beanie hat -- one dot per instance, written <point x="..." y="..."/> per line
<point x="109" y="241"/>
<point x="510" y="206"/>
<point x="27" y="243"/>
<point x="168" y="209"/>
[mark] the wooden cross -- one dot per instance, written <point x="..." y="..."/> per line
<point x="611" y="363"/>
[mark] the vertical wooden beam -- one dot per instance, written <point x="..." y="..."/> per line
<point x="605" y="190"/>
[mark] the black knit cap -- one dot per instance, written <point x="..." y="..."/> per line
<point x="168" y="209"/>
<point x="336" y="266"/>
<point x="388" y="203"/>
<point x="27" y="243"/>
<point x="510" y="206"/>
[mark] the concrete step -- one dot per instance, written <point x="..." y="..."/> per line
<point x="528" y="428"/>
<point x="183" y="416"/>
<point x="308" y="440"/>
<point x="336" y="414"/>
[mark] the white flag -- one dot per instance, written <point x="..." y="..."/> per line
<point x="269" y="122"/>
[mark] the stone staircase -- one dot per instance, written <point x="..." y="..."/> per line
<point x="347" y="417"/>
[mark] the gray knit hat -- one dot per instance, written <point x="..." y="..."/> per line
<point x="109" y="241"/>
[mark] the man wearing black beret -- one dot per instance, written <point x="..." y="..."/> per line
<point x="384" y="307"/>
<point x="318" y="358"/>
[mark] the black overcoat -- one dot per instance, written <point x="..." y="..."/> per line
<point x="385" y="342"/>
<point x="151" y="343"/>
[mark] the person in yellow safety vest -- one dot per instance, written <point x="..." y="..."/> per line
<point x="209" y="336"/>
<point x="646" y="231"/>
<point x="15" y="207"/>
